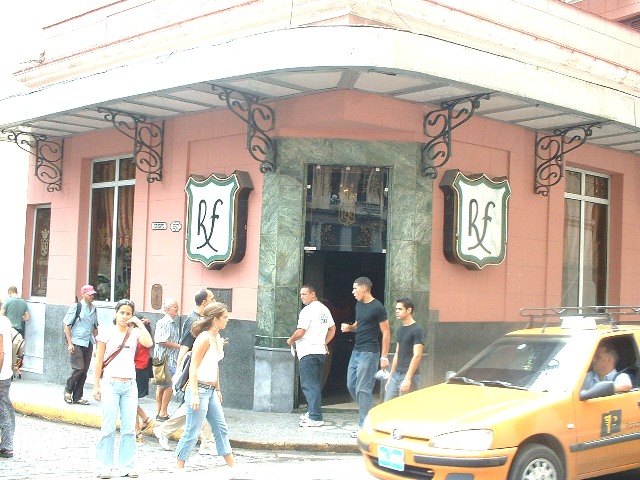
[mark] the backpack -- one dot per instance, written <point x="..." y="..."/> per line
<point x="181" y="377"/>
<point x="78" y="308"/>
<point x="17" y="350"/>
<point x="75" y="319"/>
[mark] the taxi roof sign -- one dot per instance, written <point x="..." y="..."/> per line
<point x="578" y="322"/>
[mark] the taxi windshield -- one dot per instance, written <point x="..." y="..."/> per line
<point x="541" y="364"/>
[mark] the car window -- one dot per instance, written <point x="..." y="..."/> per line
<point x="540" y="364"/>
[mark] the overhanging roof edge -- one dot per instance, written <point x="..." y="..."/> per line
<point x="309" y="48"/>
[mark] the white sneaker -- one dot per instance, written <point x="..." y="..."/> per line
<point x="162" y="438"/>
<point x="304" y="416"/>
<point x="164" y="442"/>
<point x="208" y="449"/>
<point x="311" y="423"/>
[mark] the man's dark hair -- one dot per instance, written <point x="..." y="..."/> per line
<point x="309" y="287"/>
<point x="363" y="281"/>
<point x="406" y="303"/>
<point x="609" y="347"/>
<point x="201" y="296"/>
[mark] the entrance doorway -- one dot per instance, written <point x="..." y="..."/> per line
<point x="333" y="273"/>
<point x="345" y="238"/>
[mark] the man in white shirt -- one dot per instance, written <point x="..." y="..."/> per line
<point x="604" y="369"/>
<point x="314" y="331"/>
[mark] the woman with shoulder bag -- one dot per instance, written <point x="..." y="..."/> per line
<point x="115" y="386"/>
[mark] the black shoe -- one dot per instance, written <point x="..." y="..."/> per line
<point x="4" y="453"/>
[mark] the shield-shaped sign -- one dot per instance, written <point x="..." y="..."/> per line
<point x="475" y="219"/>
<point x="217" y="218"/>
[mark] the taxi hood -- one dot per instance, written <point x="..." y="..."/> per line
<point x="449" y="407"/>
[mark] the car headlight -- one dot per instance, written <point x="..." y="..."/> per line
<point x="464" y="440"/>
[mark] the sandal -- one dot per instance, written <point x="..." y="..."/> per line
<point x="82" y="401"/>
<point x="145" y="424"/>
<point x="68" y="398"/>
<point x="131" y="475"/>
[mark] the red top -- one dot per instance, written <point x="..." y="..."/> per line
<point x="142" y="356"/>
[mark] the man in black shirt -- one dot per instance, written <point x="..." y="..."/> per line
<point x="371" y="320"/>
<point x="405" y="371"/>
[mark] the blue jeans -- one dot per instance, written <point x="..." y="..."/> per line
<point x="211" y="410"/>
<point x="360" y="380"/>
<point x="393" y="386"/>
<point x="117" y="396"/>
<point x="7" y="416"/>
<point x="311" y="383"/>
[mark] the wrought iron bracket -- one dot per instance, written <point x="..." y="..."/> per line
<point x="550" y="152"/>
<point x="260" y="119"/>
<point x="438" y="124"/>
<point x="48" y="153"/>
<point x="148" y="140"/>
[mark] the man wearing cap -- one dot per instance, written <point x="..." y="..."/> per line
<point x="79" y="332"/>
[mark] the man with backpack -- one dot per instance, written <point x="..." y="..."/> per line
<point x="80" y="326"/>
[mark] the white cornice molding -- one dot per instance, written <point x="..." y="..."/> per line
<point x="324" y="47"/>
<point x="541" y="33"/>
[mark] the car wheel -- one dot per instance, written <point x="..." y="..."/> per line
<point x="536" y="462"/>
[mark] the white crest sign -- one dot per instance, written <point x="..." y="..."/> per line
<point x="217" y="210"/>
<point x="475" y="219"/>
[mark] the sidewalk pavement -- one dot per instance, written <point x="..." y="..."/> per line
<point x="247" y="429"/>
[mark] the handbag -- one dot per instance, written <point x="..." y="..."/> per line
<point x="115" y="354"/>
<point x="161" y="373"/>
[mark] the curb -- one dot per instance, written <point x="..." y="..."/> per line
<point x="94" y="421"/>
<point x="58" y="414"/>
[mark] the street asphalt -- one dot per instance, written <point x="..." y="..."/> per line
<point x="247" y="429"/>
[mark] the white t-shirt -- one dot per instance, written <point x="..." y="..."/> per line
<point x="6" y="370"/>
<point x="122" y="365"/>
<point x="316" y="319"/>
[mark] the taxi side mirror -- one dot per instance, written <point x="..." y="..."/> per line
<point x="449" y="374"/>
<point x="601" y="389"/>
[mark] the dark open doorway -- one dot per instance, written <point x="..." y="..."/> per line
<point x="333" y="273"/>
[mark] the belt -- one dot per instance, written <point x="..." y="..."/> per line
<point x="206" y="385"/>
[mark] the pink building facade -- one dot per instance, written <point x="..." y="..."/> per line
<point x="341" y="155"/>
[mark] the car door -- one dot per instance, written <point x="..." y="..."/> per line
<point x="608" y="429"/>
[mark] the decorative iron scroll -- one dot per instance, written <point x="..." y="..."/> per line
<point x="438" y="125"/>
<point x="148" y="140"/>
<point x="550" y="152"/>
<point x="260" y="119"/>
<point x="48" y="168"/>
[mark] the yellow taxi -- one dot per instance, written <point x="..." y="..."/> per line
<point x="521" y="409"/>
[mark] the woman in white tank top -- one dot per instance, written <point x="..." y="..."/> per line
<point x="203" y="396"/>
